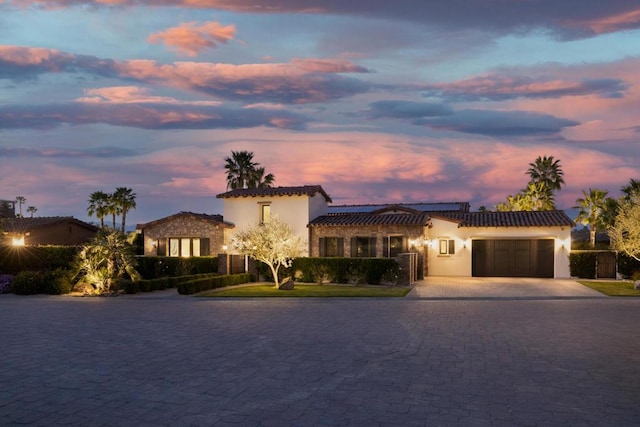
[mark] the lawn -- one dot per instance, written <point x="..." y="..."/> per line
<point x="320" y="291"/>
<point x="613" y="289"/>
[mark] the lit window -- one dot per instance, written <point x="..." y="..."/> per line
<point x="331" y="247"/>
<point x="174" y="247"/>
<point x="186" y="247"/>
<point x="265" y="211"/>
<point x="394" y="246"/>
<point x="447" y="246"/>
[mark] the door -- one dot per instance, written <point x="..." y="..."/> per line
<point x="512" y="258"/>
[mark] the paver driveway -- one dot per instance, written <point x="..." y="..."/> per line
<point x="162" y="359"/>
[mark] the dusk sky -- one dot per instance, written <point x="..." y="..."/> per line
<point x="377" y="101"/>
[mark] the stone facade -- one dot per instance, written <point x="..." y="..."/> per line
<point x="185" y="225"/>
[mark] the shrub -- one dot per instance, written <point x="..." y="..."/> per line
<point x="6" y="281"/>
<point x="583" y="264"/>
<point x="627" y="266"/>
<point x="13" y="259"/>
<point x="346" y="270"/>
<point x="153" y="267"/>
<point x="30" y="283"/>
<point x="161" y="283"/>
<point x="208" y="283"/>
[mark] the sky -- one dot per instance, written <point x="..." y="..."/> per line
<point x="377" y="101"/>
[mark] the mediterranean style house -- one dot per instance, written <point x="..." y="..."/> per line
<point x="447" y="238"/>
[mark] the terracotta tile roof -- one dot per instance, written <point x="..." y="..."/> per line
<point x="305" y="190"/>
<point x="508" y="219"/>
<point x="355" y="219"/>
<point x="217" y="219"/>
<point x="21" y="225"/>
<point x="406" y="207"/>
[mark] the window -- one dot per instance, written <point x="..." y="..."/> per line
<point x="265" y="211"/>
<point x="446" y="246"/>
<point x="184" y="247"/>
<point x="394" y="246"/>
<point x="331" y="247"/>
<point x="363" y="247"/>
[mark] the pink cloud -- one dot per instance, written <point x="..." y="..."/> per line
<point x="190" y="39"/>
<point x="609" y="24"/>
<point x="133" y="95"/>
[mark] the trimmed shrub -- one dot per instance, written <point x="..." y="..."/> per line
<point x="6" y="281"/>
<point x="371" y="271"/>
<point x="583" y="264"/>
<point x="208" y="283"/>
<point x="150" y="285"/>
<point x="627" y="266"/>
<point x="153" y="267"/>
<point x="30" y="283"/>
<point x="14" y="259"/>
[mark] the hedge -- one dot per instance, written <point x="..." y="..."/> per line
<point x="150" y="285"/>
<point x="153" y="267"/>
<point x="583" y="264"/>
<point x="42" y="282"/>
<point x="627" y="266"/>
<point x="207" y="283"/>
<point x="14" y="259"/>
<point x="372" y="271"/>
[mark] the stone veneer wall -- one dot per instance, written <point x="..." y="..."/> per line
<point x="185" y="227"/>
<point x="347" y="232"/>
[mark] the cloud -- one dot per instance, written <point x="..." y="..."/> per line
<point x="501" y="87"/>
<point x="62" y="153"/>
<point x="567" y="19"/>
<point x="406" y="110"/>
<point x="498" y="123"/>
<point x="145" y="116"/>
<point x="133" y="95"/>
<point x="190" y="38"/>
<point x="303" y="80"/>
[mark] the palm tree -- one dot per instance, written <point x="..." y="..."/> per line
<point x="112" y="208"/>
<point x="540" y="196"/>
<point x="20" y="200"/>
<point x="591" y="207"/>
<point x="240" y="168"/>
<point x="125" y="200"/>
<point x="547" y="170"/>
<point x="32" y="210"/>
<point x="260" y="180"/>
<point x="98" y="205"/>
<point x="632" y="188"/>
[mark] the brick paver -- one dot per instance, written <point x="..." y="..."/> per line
<point x="163" y="359"/>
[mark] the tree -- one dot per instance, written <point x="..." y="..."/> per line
<point x="20" y="200"/>
<point x="243" y="172"/>
<point x="32" y="210"/>
<point x="106" y="259"/>
<point x="591" y="207"/>
<point x="632" y="188"/>
<point x="124" y="200"/>
<point x="548" y="171"/>
<point x="540" y="196"/>
<point x="111" y="208"/>
<point x="271" y="242"/>
<point x="98" y="205"/>
<point x="625" y="233"/>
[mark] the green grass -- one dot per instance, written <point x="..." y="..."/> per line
<point x="304" y="291"/>
<point x="613" y="289"/>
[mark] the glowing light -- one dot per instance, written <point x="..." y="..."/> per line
<point x="17" y="241"/>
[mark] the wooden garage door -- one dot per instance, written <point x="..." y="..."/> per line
<point x="512" y="258"/>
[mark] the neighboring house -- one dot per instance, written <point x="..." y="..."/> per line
<point x="296" y="206"/>
<point x="66" y="231"/>
<point x="185" y="234"/>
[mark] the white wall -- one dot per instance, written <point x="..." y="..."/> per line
<point x="244" y="212"/>
<point x="459" y="264"/>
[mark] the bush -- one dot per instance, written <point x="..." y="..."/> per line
<point x="208" y="283"/>
<point x="6" y="281"/>
<point x="627" y="266"/>
<point x="153" y="267"/>
<point x="150" y="285"/>
<point x="14" y="259"/>
<point x="30" y="283"/>
<point x="583" y="264"/>
<point x="372" y="271"/>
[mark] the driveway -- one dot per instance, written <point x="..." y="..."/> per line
<point x="500" y="288"/>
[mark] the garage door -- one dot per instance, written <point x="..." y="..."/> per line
<point x="512" y="258"/>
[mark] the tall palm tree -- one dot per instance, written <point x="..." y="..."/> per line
<point x="632" y="188"/>
<point x="20" y="200"/>
<point x="98" y="201"/>
<point x="32" y="210"/>
<point x="591" y="207"/>
<point x="547" y="170"/>
<point x="112" y="208"/>
<point x="260" y="180"/>
<point x="240" y="168"/>
<point x="540" y="196"/>
<point x="125" y="200"/>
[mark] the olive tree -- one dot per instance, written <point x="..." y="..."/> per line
<point x="271" y="242"/>
<point x="625" y="233"/>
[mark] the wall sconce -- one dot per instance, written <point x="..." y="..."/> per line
<point x="17" y="241"/>
<point x="225" y="248"/>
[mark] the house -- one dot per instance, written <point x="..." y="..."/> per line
<point x="447" y="238"/>
<point x="296" y="206"/>
<point x="185" y="234"/>
<point x="58" y="230"/>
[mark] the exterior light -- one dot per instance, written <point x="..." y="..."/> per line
<point x="224" y="248"/>
<point x="17" y="241"/>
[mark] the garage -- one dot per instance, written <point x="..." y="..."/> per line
<point x="513" y="258"/>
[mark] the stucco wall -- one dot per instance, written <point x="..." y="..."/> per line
<point x="185" y="227"/>
<point x="459" y="264"/>
<point x="244" y="212"/>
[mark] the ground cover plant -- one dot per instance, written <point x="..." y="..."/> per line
<point x="613" y="288"/>
<point x="305" y="291"/>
